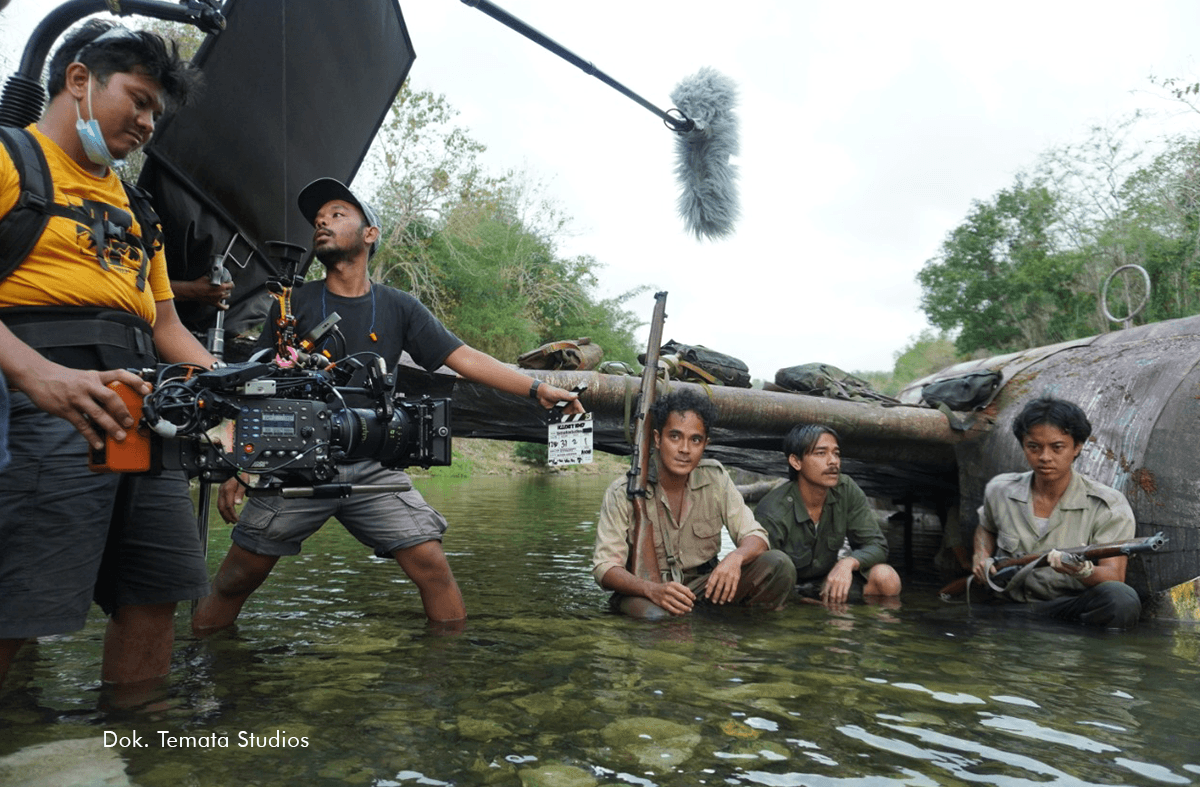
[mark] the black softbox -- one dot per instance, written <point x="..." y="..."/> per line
<point x="294" y="90"/>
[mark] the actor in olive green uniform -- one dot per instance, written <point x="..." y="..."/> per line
<point x="817" y="512"/>
<point x="814" y="547"/>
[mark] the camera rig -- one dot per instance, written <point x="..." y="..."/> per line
<point x="290" y="428"/>
<point x="291" y="421"/>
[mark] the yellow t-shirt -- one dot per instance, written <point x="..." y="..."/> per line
<point x="64" y="268"/>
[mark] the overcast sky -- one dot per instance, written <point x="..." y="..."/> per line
<point x="867" y="129"/>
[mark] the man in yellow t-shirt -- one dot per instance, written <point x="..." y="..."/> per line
<point x="92" y="298"/>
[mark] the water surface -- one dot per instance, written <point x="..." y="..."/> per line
<point x="333" y="678"/>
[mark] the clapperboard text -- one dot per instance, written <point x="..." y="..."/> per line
<point x="569" y="441"/>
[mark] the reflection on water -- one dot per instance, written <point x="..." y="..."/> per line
<point x="332" y="678"/>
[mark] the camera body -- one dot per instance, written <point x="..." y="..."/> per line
<point x="289" y="426"/>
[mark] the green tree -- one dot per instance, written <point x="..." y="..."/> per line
<point x="1027" y="267"/>
<point x="1160" y="229"/>
<point x="426" y="178"/>
<point x="998" y="279"/>
<point x="505" y="290"/>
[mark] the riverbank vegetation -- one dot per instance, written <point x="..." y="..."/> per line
<point x="1026" y="267"/>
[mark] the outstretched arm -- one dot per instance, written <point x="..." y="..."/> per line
<point x="480" y="367"/>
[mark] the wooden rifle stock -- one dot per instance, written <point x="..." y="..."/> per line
<point x="643" y="560"/>
<point x="1091" y="552"/>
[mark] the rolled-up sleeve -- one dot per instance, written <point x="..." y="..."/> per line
<point x="1115" y="523"/>
<point x="612" y="532"/>
<point x="986" y="512"/>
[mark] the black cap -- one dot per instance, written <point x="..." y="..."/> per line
<point x="314" y="196"/>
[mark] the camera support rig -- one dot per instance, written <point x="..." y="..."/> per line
<point x="291" y="425"/>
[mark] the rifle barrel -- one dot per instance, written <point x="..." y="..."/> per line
<point x="1095" y="551"/>
<point x="1089" y="552"/>
<point x="643" y="560"/>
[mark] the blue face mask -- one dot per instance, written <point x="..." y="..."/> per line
<point x="91" y="137"/>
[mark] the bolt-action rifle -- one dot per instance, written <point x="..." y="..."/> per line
<point x="643" y="560"/>
<point x="1006" y="568"/>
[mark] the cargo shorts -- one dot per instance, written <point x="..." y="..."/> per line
<point x="383" y="521"/>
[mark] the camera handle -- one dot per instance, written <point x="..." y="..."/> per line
<point x="286" y="257"/>
<point x="328" y="491"/>
<point x="218" y="274"/>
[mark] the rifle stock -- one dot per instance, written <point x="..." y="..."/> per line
<point x="1091" y="552"/>
<point x="643" y="560"/>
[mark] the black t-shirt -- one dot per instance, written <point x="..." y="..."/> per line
<point x="399" y="322"/>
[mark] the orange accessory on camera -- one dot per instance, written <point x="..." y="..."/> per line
<point x="134" y="454"/>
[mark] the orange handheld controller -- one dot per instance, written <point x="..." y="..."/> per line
<point x="134" y="454"/>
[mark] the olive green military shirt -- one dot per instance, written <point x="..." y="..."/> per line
<point x="813" y="547"/>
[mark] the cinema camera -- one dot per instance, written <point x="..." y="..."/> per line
<point x="291" y="426"/>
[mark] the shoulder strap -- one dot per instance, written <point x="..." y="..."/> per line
<point x="142" y="206"/>
<point x="22" y="227"/>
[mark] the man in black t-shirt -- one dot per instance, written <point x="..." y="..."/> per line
<point x="383" y="321"/>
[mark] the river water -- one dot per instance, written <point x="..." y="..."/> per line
<point x="332" y="678"/>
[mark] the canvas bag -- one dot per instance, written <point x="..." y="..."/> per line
<point x="967" y="392"/>
<point x="581" y="354"/>
<point x="822" y="379"/>
<point x="696" y="363"/>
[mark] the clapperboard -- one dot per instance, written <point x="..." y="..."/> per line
<point x="569" y="440"/>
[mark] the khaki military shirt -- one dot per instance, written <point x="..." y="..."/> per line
<point x="1088" y="513"/>
<point x="814" y="547"/>
<point x="712" y="502"/>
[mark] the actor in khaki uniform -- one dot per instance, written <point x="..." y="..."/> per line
<point x="690" y="500"/>
<point x="1052" y="507"/>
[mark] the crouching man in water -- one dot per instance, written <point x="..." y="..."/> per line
<point x="689" y="499"/>
<point x="1052" y="507"/>
<point x="816" y="513"/>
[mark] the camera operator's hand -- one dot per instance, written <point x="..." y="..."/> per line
<point x="229" y="498"/>
<point x="80" y="397"/>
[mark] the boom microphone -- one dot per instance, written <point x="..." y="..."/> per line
<point x="709" y="202"/>
<point x="703" y="119"/>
